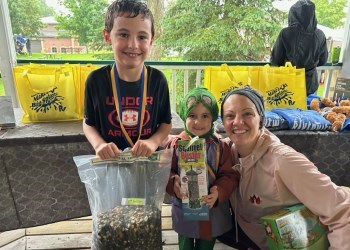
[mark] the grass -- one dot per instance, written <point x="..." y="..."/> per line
<point x="59" y="55"/>
<point x="2" y="90"/>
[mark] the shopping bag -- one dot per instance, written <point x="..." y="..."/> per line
<point x="48" y="93"/>
<point x="221" y="79"/>
<point x="84" y="73"/>
<point x="283" y="87"/>
<point x="125" y="196"/>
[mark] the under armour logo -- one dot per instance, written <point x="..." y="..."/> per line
<point x="131" y="117"/>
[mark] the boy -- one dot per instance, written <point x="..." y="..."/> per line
<point x="127" y="104"/>
<point x="199" y="110"/>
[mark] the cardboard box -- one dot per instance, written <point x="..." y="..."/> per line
<point x="194" y="178"/>
<point x="295" y="227"/>
<point x="342" y="89"/>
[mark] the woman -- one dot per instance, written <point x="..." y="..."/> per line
<point x="275" y="176"/>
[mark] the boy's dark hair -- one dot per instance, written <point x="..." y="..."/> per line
<point x="132" y="8"/>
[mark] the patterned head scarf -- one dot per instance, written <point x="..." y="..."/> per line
<point x="252" y="95"/>
<point x="199" y="95"/>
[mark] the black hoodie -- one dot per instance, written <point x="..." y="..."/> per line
<point x="301" y="43"/>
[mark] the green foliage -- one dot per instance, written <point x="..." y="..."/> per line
<point x="25" y="16"/>
<point x="84" y="20"/>
<point x="330" y="13"/>
<point x="47" y="10"/>
<point x="230" y="30"/>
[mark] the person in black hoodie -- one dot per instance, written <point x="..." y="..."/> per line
<point x="301" y="43"/>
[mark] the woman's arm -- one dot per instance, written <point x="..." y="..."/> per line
<point x="318" y="193"/>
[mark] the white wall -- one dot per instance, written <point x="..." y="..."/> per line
<point x="345" y="57"/>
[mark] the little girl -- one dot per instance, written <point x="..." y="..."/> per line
<point x="199" y="110"/>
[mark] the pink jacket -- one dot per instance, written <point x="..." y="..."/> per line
<point x="275" y="176"/>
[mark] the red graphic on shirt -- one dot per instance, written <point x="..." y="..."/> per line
<point x="127" y="118"/>
<point x="130" y="117"/>
<point x="129" y="101"/>
<point x="255" y="199"/>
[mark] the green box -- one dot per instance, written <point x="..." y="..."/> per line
<point x="295" y="227"/>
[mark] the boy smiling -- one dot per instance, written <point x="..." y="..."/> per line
<point x="127" y="104"/>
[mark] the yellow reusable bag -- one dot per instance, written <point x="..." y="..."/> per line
<point x="48" y="93"/>
<point x="283" y="87"/>
<point x="221" y="79"/>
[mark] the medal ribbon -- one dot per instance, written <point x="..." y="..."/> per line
<point x="118" y="101"/>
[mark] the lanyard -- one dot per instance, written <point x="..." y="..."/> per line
<point x="118" y="101"/>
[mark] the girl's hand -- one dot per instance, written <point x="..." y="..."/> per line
<point x="177" y="188"/>
<point x="210" y="199"/>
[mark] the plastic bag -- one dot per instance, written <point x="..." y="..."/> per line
<point x="125" y="198"/>
<point x="299" y="119"/>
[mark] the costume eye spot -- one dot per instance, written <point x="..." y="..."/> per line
<point x="190" y="101"/>
<point x="206" y="99"/>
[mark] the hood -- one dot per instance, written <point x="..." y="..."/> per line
<point x="302" y="15"/>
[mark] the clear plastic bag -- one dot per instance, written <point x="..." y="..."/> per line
<point x="125" y="197"/>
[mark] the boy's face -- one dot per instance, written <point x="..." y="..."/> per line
<point x="199" y="120"/>
<point x="131" y="41"/>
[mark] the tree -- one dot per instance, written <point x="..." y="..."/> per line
<point x="330" y="13"/>
<point x="157" y="8"/>
<point x="47" y="10"/>
<point x="85" y="20"/>
<point x="228" y="30"/>
<point x="25" y="16"/>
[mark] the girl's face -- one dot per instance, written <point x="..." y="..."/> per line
<point x="241" y="121"/>
<point x="131" y="40"/>
<point x="199" y="120"/>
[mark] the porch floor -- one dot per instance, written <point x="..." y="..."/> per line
<point x="76" y="234"/>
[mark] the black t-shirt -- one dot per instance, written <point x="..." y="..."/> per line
<point x="100" y="111"/>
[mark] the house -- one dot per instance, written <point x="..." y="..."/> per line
<point x="50" y="39"/>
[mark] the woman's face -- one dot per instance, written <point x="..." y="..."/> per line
<point x="241" y="121"/>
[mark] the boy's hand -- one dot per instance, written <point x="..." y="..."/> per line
<point x="212" y="197"/>
<point x="144" y="148"/>
<point x="177" y="188"/>
<point x="107" y="150"/>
